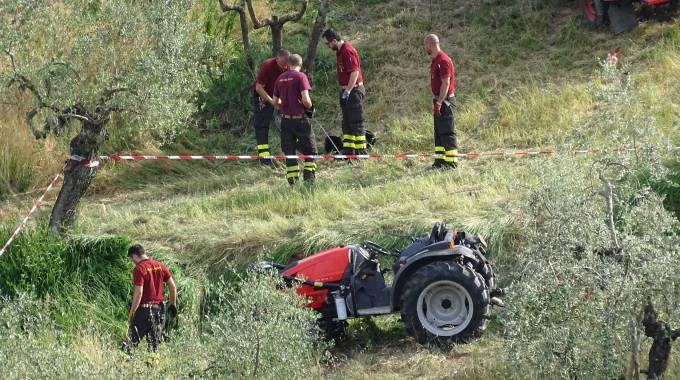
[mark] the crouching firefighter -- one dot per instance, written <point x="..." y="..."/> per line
<point x="147" y="312"/>
<point x="443" y="84"/>
<point x="263" y="104"/>
<point x="291" y="97"/>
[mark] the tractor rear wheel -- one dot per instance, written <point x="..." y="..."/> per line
<point x="333" y="330"/>
<point x="444" y="303"/>
<point x="594" y="12"/>
<point x="668" y="12"/>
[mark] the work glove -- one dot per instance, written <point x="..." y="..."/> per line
<point x="437" y="110"/>
<point x="172" y="311"/>
<point x="309" y="112"/>
<point x="345" y="94"/>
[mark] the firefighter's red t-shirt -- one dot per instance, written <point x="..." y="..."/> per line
<point x="442" y="67"/>
<point x="267" y="74"/>
<point x="347" y="60"/>
<point x="151" y="274"/>
<point x="289" y="89"/>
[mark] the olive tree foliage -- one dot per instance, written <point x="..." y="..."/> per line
<point x="80" y="62"/>
<point x="599" y="246"/>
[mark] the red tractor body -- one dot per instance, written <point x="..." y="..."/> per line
<point x="325" y="266"/>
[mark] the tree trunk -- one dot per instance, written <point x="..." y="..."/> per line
<point x="77" y="176"/>
<point x="276" y="29"/>
<point x="315" y="36"/>
<point x="245" y="35"/>
<point x="663" y="337"/>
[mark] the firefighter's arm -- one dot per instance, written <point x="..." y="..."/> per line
<point x="259" y="88"/>
<point x="276" y="102"/>
<point x="353" y="76"/>
<point x="136" y="299"/>
<point x="173" y="291"/>
<point x="444" y="90"/>
<point x="306" y="100"/>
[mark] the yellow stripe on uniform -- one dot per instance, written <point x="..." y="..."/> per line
<point x="348" y="141"/>
<point x="263" y="154"/>
<point x="310" y="166"/>
<point x="451" y="155"/>
<point x="263" y="146"/>
<point x="439" y="149"/>
<point x="360" y="142"/>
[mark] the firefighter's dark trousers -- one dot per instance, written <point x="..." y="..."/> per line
<point x="445" y="143"/>
<point x="148" y="322"/>
<point x="297" y="136"/>
<point x="353" y="133"/>
<point x="263" y="115"/>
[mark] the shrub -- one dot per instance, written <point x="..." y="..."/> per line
<point x="253" y="331"/>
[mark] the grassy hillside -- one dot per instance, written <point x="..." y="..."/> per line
<point x="528" y="75"/>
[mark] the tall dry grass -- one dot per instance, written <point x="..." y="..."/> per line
<point x="25" y="164"/>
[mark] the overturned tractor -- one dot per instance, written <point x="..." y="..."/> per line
<point x="443" y="286"/>
<point x="623" y="15"/>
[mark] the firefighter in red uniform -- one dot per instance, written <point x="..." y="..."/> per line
<point x="352" y="93"/>
<point x="291" y="98"/>
<point x="263" y="104"/>
<point x="443" y="83"/>
<point x="147" y="312"/>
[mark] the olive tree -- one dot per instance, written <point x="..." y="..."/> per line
<point x="598" y="263"/>
<point x="275" y="23"/>
<point x="82" y="62"/>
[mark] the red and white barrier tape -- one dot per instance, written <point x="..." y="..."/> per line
<point x="93" y="164"/>
<point x="497" y="153"/>
<point x="36" y="204"/>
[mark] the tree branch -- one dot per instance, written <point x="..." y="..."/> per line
<point x="608" y="193"/>
<point x="296" y="16"/>
<point x="227" y="8"/>
<point x="257" y="24"/>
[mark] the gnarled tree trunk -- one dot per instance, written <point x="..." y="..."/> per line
<point x="78" y="175"/>
<point x="245" y="31"/>
<point x="315" y="36"/>
<point x="663" y="337"/>
<point x="277" y="35"/>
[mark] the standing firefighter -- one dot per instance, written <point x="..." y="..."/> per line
<point x="352" y="93"/>
<point x="291" y="97"/>
<point x="147" y="313"/>
<point x="443" y="83"/>
<point x="263" y="104"/>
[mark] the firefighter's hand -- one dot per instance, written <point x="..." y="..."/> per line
<point x="345" y="94"/>
<point x="172" y="310"/>
<point x="437" y="110"/>
<point x="310" y="112"/>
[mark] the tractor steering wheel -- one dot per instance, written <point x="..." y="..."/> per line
<point x="375" y="249"/>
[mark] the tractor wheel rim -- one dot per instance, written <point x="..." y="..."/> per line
<point x="589" y="10"/>
<point x="445" y="308"/>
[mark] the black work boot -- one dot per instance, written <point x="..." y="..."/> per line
<point x="267" y="162"/>
<point x="309" y="176"/>
<point x="437" y="164"/>
<point x="449" y="165"/>
<point x="292" y="180"/>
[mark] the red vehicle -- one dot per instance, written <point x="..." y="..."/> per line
<point x="622" y="15"/>
<point x="443" y="286"/>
